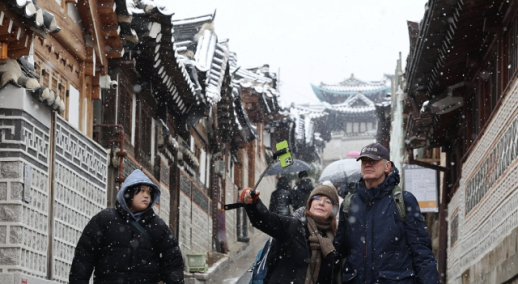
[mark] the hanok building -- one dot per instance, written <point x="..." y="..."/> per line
<point x="352" y="120"/>
<point x="255" y="89"/>
<point x="230" y="141"/>
<point x="310" y="132"/>
<point x="461" y="102"/>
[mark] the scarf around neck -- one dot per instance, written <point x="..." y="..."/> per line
<point x="319" y="245"/>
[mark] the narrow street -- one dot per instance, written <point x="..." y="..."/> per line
<point x="237" y="271"/>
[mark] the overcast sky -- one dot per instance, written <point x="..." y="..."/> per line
<point x="309" y="43"/>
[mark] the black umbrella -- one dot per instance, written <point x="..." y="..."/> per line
<point x="297" y="166"/>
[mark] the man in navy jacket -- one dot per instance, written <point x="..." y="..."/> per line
<point x="378" y="245"/>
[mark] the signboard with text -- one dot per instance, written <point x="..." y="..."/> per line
<point x="422" y="183"/>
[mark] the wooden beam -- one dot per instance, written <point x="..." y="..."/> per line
<point x="71" y="35"/>
<point x="412" y="161"/>
<point x="90" y="16"/>
<point x="67" y="67"/>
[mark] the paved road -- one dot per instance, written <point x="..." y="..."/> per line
<point x="237" y="271"/>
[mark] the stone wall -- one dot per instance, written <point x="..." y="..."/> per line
<point x="195" y="234"/>
<point x="165" y="204"/>
<point x="184" y="238"/>
<point x="38" y="208"/>
<point x="230" y="215"/>
<point x="483" y="213"/>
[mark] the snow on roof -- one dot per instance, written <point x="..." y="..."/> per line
<point x="20" y="73"/>
<point x="43" y="21"/>
<point x="358" y="103"/>
<point x="199" y="20"/>
<point x="354" y="85"/>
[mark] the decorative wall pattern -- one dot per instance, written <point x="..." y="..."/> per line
<point x="24" y="141"/>
<point x="80" y="191"/>
<point x="487" y="198"/>
<point x="164" y="174"/>
<point x="199" y="198"/>
<point x="185" y="184"/>
<point x="129" y="167"/>
<point x="22" y="136"/>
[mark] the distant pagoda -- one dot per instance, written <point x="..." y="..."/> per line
<point x="351" y="104"/>
<point x="339" y="93"/>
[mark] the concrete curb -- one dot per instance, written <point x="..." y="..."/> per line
<point x="222" y="264"/>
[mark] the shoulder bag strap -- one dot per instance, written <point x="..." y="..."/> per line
<point x="141" y="229"/>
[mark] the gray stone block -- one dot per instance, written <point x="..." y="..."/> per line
<point x="11" y="170"/>
<point x="10" y="256"/>
<point x="10" y="212"/>
<point x="3" y="237"/>
<point x="16" y="190"/>
<point x="6" y="278"/>
<point x="16" y="235"/>
<point x="3" y="190"/>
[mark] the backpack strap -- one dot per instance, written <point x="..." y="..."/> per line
<point x="397" y="195"/>
<point x="346" y="204"/>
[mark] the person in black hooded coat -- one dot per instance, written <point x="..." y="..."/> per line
<point x="280" y="200"/>
<point x="117" y="251"/>
<point x="301" y="191"/>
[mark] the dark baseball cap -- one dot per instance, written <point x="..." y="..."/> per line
<point x="375" y="151"/>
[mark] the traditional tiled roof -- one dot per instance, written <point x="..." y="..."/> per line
<point x="40" y="20"/>
<point x="312" y="111"/>
<point x="349" y="87"/>
<point x="247" y="131"/>
<point x="358" y="103"/>
<point x="146" y="29"/>
<point x="196" y="36"/>
<point x="262" y="85"/>
<point x="304" y="117"/>
<point x="20" y="73"/>
<point x="353" y="85"/>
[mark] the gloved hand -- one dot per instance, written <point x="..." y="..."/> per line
<point x="246" y="198"/>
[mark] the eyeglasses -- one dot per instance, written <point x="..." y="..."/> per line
<point x="319" y="199"/>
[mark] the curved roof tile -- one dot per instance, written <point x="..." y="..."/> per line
<point x="41" y="20"/>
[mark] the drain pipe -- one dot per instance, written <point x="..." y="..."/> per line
<point x="119" y="138"/>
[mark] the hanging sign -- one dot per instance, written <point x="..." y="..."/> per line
<point x="422" y="183"/>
